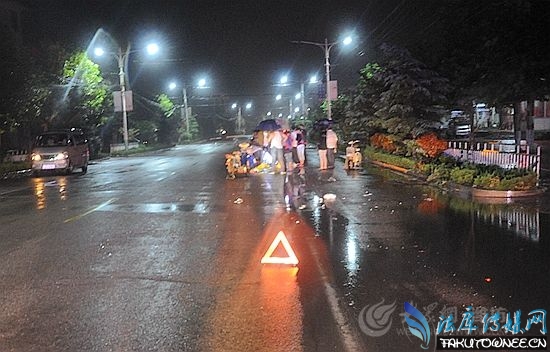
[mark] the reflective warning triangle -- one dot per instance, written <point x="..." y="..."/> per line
<point x="290" y="259"/>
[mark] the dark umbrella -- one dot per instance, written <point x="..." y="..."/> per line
<point x="323" y="123"/>
<point x="268" y="125"/>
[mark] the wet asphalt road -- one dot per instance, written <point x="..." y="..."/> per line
<point x="162" y="253"/>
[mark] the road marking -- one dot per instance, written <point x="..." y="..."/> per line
<point x="350" y="339"/>
<point x="90" y="211"/>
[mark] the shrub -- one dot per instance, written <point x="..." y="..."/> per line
<point x="520" y="183"/>
<point x="463" y="176"/>
<point x="440" y="173"/>
<point x="487" y="181"/>
<point x="372" y="154"/>
<point x="432" y="146"/>
<point x="383" y="141"/>
<point x="443" y="169"/>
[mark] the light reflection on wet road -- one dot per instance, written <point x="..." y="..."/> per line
<point x="393" y="239"/>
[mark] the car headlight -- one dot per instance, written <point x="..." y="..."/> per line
<point x="61" y="156"/>
<point x="35" y="157"/>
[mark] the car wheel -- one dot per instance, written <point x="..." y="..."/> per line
<point x="84" y="168"/>
<point x="69" y="169"/>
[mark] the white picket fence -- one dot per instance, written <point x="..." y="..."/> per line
<point x="489" y="154"/>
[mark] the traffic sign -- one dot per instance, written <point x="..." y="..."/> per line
<point x="289" y="259"/>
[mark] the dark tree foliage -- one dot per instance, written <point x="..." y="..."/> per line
<point x="492" y="51"/>
<point x="399" y="96"/>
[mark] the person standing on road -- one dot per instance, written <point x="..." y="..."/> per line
<point x="332" y="145"/>
<point x="322" y="149"/>
<point x="300" y="146"/>
<point x="288" y="142"/>
<point x="277" y="151"/>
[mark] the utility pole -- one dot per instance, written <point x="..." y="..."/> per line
<point x="186" y="109"/>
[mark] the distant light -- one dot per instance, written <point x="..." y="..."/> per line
<point x="202" y="83"/>
<point x="298" y="96"/>
<point x="248" y="105"/>
<point x="234" y="106"/>
<point x="347" y="40"/>
<point x="152" y="49"/>
<point x="172" y="85"/>
<point x="268" y="113"/>
<point x="278" y="97"/>
<point x="99" y="51"/>
<point x="284" y="79"/>
<point x="313" y="79"/>
<point x="280" y="114"/>
<point x="296" y="109"/>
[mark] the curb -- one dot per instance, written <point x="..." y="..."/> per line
<point x="484" y="193"/>
<point x="390" y="166"/>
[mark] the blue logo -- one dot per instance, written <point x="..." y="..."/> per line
<point x="417" y="326"/>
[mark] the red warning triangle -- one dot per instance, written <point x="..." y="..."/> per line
<point x="290" y="259"/>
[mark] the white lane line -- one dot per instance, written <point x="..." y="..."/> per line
<point x="349" y="335"/>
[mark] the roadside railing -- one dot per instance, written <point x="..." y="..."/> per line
<point x="492" y="154"/>
<point x="121" y="147"/>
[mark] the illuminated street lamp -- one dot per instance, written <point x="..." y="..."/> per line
<point x="122" y="60"/>
<point x="313" y="79"/>
<point x="298" y="96"/>
<point x="284" y="81"/>
<point x="326" y="46"/>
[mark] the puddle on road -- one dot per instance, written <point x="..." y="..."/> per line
<point x="405" y="244"/>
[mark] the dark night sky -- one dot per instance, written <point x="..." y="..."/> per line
<point x="243" y="47"/>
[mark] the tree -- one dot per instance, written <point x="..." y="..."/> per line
<point x="354" y="109"/>
<point x="194" y="130"/>
<point x="490" y="50"/>
<point x="397" y="95"/>
<point x="30" y="78"/>
<point x="85" y="95"/>
<point x="168" y="124"/>
<point x="407" y="97"/>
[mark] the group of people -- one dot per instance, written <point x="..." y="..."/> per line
<point x="282" y="151"/>
<point x="286" y="148"/>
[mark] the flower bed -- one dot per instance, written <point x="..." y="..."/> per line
<point x="424" y="158"/>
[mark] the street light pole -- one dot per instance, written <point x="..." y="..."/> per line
<point x="326" y="46"/>
<point x="121" y="58"/>
<point x="240" y="120"/>
<point x="302" y="98"/>
<point x="240" y="123"/>
<point x="186" y="111"/>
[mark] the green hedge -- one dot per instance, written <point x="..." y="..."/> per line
<point x="445" y="169"/>
<point x="373" y="154"/>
